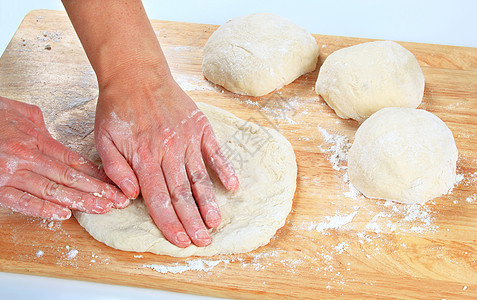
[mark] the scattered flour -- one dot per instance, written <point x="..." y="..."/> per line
<point x="278" y="114"/>
<point x="459" y="178"/>
<point x="402" y="218"/>
<point x="249" y="102"/>
<point x="338" y="151"/>
<point x="191" y="265"/>
<point x="337" y="154"/>
<point x="264" y="260"/>
<point x="353" y="192"/>
<point x="468" y="179"/>
<point x="72" y="254"/>
<point x="47" y="36"/>
<point x="340" y="248"/>
<point x="280" y="109"/>
<point x="276" y="109"/>
<point x="193" y="82"/>
<point x="332" y="222"/>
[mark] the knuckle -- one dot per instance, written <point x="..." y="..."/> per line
<point x="199" y="177"/>
<point x="44" y="208"/>
<point x="144" y="153"/>
<point x="207" y="203"/>
<point x="24" y="200"/>
<point x="169" y="138"/>
<point x="30" y="129"/>
<point x="206" y="196"/>
<point x="50" y="189"/>
<point x="71" y="157"/>
<point x="182" y="194"/>
<point x="159" y="200"/>
<point x="70" y="176"/>
<point x="35" y="110"/>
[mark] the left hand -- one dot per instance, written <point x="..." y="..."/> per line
<point x="41" y="177"/>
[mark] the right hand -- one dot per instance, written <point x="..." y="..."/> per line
<point x="41" y="177"/>
<point x="151" y="136"/>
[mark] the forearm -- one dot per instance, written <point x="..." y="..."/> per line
<point x="118" y="39"/>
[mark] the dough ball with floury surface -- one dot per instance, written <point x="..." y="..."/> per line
<point x="257" y="54"/>
<point x="403" y="154"/>
<point x="358" y="81"/>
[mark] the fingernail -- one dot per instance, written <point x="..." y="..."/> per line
<point x="182" y="237"/>
<point x="123" y="203"/>
<point x="119" y="199"/>
<point x="64" y="215"/>
<point x="115" y="195"/>
<point x="128" y="188"/>
<point x="202" y="234"/>
<point x="212" y="218"/>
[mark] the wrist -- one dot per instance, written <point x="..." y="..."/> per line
<point x="134" y="70"/>
<point x="119" y="42"/>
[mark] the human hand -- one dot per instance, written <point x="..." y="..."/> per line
<point x="153" y="136"/>
<point x="40" y="177"/>
<point x="149" y="134"/>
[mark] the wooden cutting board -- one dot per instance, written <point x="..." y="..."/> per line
<point x="334" y="244"/>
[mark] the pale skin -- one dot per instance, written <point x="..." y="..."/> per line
<point x="41" y="177"/>
<point x="150" y="135"/>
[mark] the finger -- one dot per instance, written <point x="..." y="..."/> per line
<point x="156" y="196"/>
<point x="62" y="153"/>
<point x="46" y="189"/>
<point x="117" y="168"/>
<point x="69" y="177"/>
<point x="30" y="205"/>
<point x="202" y="189"/>
<point x="57" y="151"/>
<point x="217" y="161"/>
<point x="31" y="112"/>
<point x="183" y="201"/>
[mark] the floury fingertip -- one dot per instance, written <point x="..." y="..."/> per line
<point x="64" y="215"/>
<point x="233" y="183"/>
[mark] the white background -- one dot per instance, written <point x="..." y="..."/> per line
<point x="451" y="22"/>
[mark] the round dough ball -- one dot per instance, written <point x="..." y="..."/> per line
<point x="403" y="154"/>
<point x="257" y="54"/>
<point x="360" y="80"/>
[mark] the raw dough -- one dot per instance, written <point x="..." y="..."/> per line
<point x="403" y="154"/>
<point x="265" y="163"/>
<point x="360" y="80"/>
<point x="257" y="54"/>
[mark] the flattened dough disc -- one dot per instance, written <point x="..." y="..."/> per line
<point x="266" y="166"/>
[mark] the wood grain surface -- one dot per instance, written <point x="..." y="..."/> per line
<point x="334" y="244"/>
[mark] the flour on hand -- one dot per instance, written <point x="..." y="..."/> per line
<point x="266" y="166"/>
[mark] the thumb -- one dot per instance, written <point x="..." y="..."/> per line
<point x="117" y="168"/>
